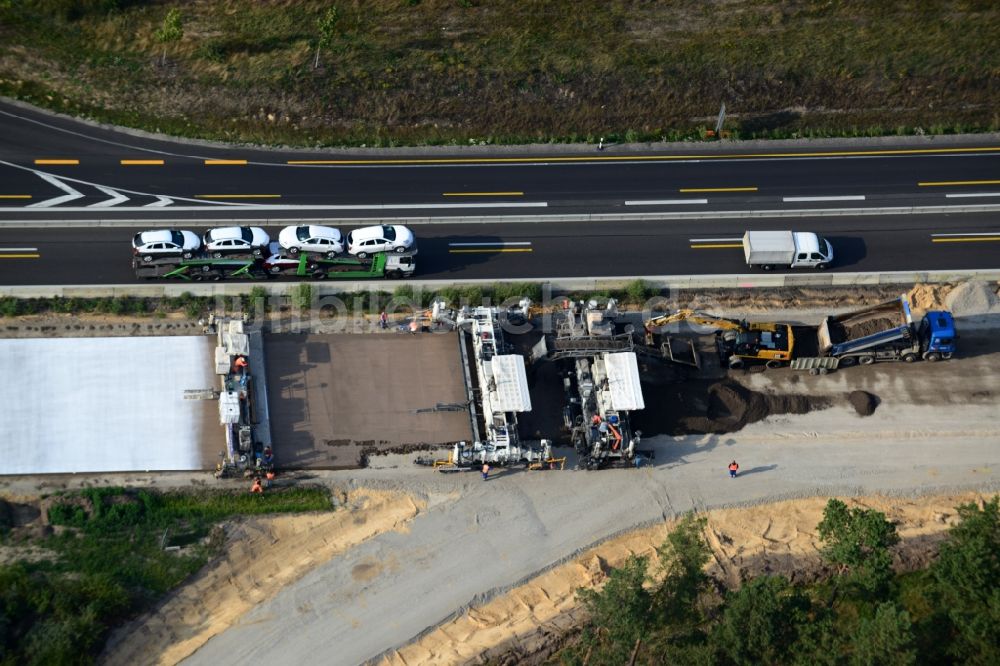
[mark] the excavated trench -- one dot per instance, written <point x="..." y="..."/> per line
<point x="714" y="407"/>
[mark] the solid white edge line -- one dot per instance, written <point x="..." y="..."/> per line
<point x="715" y="240"/>
<point x="847" y="197"/>
<point x="666" y="202"/>
<point x="967" y="195"/>
<point x="658" y="216"/>
<point x="985" y="233"/>
<point x="253" y="207"/>
<point x="18" y="249"/>
<point x="488" y="244"/>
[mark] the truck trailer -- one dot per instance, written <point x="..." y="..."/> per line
<point x="199" y="268"/>
<point x="379" y="265"/>
<point x="202" y="267"/>
<point x="792" y="249"/>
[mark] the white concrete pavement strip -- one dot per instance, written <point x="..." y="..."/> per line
<point x="106" y="404"/>
<point x="934" y="431"/>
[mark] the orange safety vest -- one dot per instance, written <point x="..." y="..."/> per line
<point x="733" y="467"/>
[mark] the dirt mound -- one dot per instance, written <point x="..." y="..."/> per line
<point x="973" y="298"/>
<point x="924" y="297"/>
<point x="715" y="408"/>
<point x="864" y="403"/>
<point x="840" y="331"/>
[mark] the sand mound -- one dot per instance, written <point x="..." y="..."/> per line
<point x="864" y="403"/>
<point x="924" y="297"/>
<point x="261" y="557"/>
<point x="529" y="623"/>
<point x="973" y="298"/>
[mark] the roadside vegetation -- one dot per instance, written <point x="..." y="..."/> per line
<point x="863" y="613"/>
<point x="107" y="555"/>
<point x="426" y="72"/>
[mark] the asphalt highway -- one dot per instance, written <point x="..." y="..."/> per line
<point x="51" y="167"/>
<point x="70" y="175"/>
<point x="78" y="255"/>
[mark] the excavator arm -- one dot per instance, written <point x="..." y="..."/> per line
<point x="694" y="317"/>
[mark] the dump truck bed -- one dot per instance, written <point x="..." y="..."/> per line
<point x="876" y="324"/>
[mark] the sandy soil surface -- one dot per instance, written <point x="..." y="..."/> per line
<point x="533" y="619"/>
<point x="261" y="557"/>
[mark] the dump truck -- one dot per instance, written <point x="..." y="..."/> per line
<point x="786" y="249"/>
<point x="886" y="332"/>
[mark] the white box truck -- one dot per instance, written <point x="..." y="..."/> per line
<point x="791" y="249"/>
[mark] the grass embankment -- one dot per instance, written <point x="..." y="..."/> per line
<point x="394" y="72"/>
<point x="107" y="561"/>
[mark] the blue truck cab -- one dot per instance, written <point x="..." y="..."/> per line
<point x="937" y="335"/>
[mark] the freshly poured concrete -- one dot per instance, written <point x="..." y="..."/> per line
<point x="107" y="405"/>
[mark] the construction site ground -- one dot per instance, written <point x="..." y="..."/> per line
<point x="423" y="567"/>
<point x="334" y="397"/>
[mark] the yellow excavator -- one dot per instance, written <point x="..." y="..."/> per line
<point x="738" y="342"/>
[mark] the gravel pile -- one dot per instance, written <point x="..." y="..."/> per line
<point x="973" y="298"/>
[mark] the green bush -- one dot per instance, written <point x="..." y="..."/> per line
<point x="638" y="292"/>
<point x="302" y="296"/>
<point x="113" y="566"/>
<point x="509" y="292"/>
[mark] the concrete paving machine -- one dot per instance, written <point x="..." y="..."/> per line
<point x="498" y="390"/>
<point x="601" y="382"/>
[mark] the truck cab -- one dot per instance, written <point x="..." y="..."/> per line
<point x="811" y="251"/>
<point x="937" y="335"/>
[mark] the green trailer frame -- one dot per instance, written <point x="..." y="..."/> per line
<point x="320" y="269"/>
<point x="195" y="270"/>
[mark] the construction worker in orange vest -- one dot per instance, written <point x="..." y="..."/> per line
<point x="240" y="364"/>
<point x="733" y="468"/>
<point x="256" y="487"/>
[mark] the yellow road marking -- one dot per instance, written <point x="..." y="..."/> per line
<point x="226" y="162"/>
<point x="237" y="196"/>
<point x="15" y="196"/>
<point x="958" y="182"/>
<point x="718" y="189"/>
<point x="19" y="256"/>
<point x="70" y="162"/>
<point x="710" y="246"/>
<point x="971" y="239"/>
<point x="482" y="194"/>
<point x="499" y="249"/>
<point x="142" y="162"/>
<point x="654" y="158"/>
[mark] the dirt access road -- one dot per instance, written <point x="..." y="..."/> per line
<point x="935" y="430"/>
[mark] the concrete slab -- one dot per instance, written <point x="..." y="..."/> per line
<point x="111" y="404"/>
<point x="332" y="396"/>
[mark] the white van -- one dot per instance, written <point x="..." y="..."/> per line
<point x="798" y="249"/>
